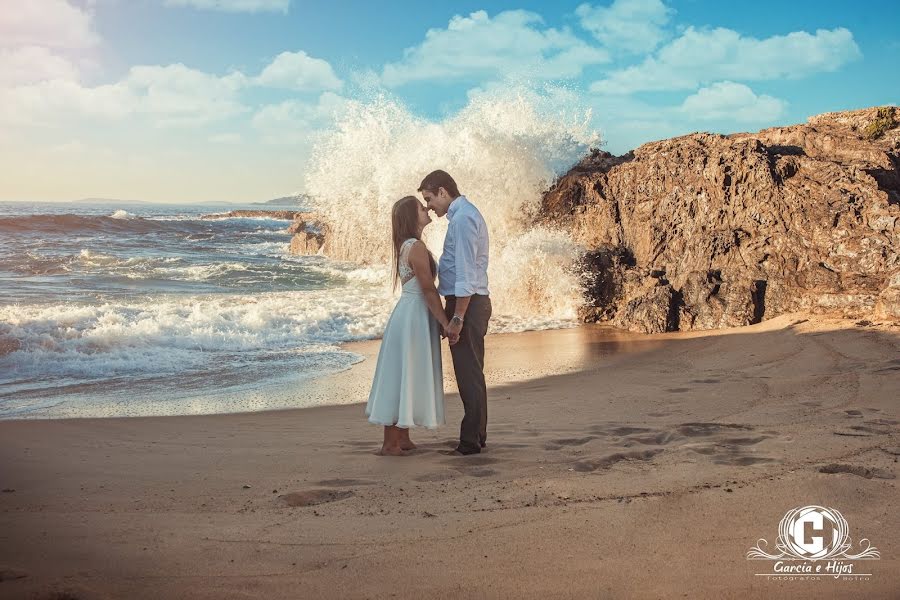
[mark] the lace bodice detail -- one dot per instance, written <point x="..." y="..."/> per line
<point x="403" y="268"/>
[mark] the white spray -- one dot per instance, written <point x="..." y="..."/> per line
<point x="504" y="149"/>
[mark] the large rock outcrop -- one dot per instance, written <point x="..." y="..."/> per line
<point x="706" y="231"/>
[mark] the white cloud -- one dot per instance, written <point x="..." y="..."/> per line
<point x="293" y="121"/>
<point x="169" y="95"/>
<point x="235" y="5"/>
<point x="627" y="25"/>
<point x="51" y="23"/>
<point x="38" y="87"/>
<point x="30" y="64"/>
<point x="726" y="100"/>
<point x="178" y="94"/>
<point x="299" y="71"/>
<point x="701" y="56"/>
<point x="509" y="43"/>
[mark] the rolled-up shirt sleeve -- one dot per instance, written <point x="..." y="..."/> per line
<point x="466" y="236"/>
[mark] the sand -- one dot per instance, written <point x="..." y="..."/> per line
<point x="638" y="467"/>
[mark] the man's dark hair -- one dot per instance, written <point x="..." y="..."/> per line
<point x="439" y="179"/>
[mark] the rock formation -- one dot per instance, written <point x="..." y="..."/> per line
<point x="309" y="234"/>
<point x="706" y="231"/>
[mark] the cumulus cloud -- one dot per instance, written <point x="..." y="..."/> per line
<point x="38" y="87"/>
<point x="49" y="23"/>
<point x="479" y="45"/>
<point x="169" y="95"/>
<point x="627" y="25"/>
<point x="702" y="56"/>
<point x="30" y="64"/>
<point x="235" y="5"/>
<point x="299" y="71"/>
<point x="293" y="121"/>
<point x="176" y="93"/>
<point x="726" y="100"/>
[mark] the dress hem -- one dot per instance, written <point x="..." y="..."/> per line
<point x="407" y="426"/>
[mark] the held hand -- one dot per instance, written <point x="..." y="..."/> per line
<point x="453" y="331"/>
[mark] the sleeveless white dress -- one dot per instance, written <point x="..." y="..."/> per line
<point x="408" y="387"/>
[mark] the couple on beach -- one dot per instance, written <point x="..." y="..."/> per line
<point x="408" y="387"/>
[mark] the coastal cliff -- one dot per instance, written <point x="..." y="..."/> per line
<point x="708" y="231"/>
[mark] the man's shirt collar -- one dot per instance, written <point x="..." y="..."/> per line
<point x="455" y="206"/>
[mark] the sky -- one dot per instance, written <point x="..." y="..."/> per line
<point x="222" y="100"/>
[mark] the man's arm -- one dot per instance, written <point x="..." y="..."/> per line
<point x="466" y="236"/>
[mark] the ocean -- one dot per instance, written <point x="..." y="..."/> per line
<point x="127" y="309"/>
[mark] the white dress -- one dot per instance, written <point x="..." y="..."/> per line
<point x="408" y="387"/>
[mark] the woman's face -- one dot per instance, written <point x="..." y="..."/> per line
<point x="424" y="217"/>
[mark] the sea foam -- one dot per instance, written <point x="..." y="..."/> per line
<point x="504" y="149"/>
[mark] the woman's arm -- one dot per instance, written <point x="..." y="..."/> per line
<point x="421" y="266"/>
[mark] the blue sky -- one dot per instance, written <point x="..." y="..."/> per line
<point x="192" y="100"/>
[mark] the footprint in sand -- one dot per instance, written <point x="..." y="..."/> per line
<point x="729" y="450"/>
<point x="657" y="439"/>
<point x="741" y="461"/>
<point x="704" y="381"/>
<point x="849" y="433"/>
<point x="344" y="482"/>
<point x="744" y="441"/>
<point x="431" y="477"/>
<point x="477" y="471"/>
<point x="867" y="472"/>
<point x="891" y="365"/>
<point x="10" y="573"/>
<point x="313" y="497"/>
<point x="618" y="431"/>
<point x="854" y="413"/>
<point x="607" y="461"/>
<point x="572" y="441"/>
<point x="707" y="429"/>
<point x="872" y="427"/>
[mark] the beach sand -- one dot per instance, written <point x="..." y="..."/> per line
<point x="631" y="467"/>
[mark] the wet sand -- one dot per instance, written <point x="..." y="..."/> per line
<point x="616" y="467"/>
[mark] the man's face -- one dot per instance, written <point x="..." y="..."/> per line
<point x="433" y="201"/>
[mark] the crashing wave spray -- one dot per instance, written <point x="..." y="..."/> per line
<point x="504" y="149"/>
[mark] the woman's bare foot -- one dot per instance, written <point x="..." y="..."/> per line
<point x="405" y="442"/>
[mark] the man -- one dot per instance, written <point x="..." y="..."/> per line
<point x="462" y="273"/>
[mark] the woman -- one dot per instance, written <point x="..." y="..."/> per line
<point x="408" y="388"/>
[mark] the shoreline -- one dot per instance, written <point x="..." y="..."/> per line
<point x="672" y="459"/>
<point x="572" y="348"/>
